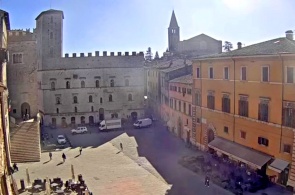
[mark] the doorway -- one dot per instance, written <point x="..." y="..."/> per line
<point x="25" y="110"/>
<point x="101" y="114"/>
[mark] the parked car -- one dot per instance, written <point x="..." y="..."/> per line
<point x="79" y="130"/>
<point x="147" y="122"/>
<point x="61" y="139"/>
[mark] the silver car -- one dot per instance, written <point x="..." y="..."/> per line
<point x="61" y="139"/>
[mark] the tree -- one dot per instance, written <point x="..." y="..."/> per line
<point x="156" y="56"/>
<point x="227" y="46"/>
<point x="149" y="54"/>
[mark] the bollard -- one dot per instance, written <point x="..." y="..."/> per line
<point x="22" y="184"/>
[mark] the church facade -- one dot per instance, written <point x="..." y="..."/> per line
<point x="70" y="90"/>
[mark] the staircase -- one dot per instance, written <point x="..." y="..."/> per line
<point x="25" y="142"/>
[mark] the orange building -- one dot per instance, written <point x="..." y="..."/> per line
<point x="244" y="106"/>
<point x="180" y="108"/>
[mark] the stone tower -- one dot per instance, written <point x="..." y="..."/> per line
<point x="49" y="29"/>
<point x="173" y="34"/>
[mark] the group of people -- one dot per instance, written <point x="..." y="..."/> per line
<point x="64" y="157"/>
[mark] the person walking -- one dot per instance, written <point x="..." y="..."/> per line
<point x="15" y="168"/>
<point x="207" y="179"/>
<point x="80" y="149"/>
<point x="121" y="146"/>
<point x="50" y="155"/>
<point x="64" y="157"/>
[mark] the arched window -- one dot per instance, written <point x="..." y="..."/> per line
<point x="129" y="97"/>
<point x="101" y="100"/>
<point x="126" y="82"/>
<point x="97" y="83"/>
<point x="57" y="110"/>
<point x="68" y="86"/>
<point x="82" y="84"/>
<point x="90" y="98"/>
<point x="110" y="98"/>
<point x="76" y="109"/>
<point x="52" y="85"/>
<point x="75" y="98"/>
<point x="57" y="99"/>
<point x="112" y="83"/>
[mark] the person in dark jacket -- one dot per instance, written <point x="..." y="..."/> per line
<point x="64" y="157"/>
<point x="80" y="149"/>
<point x="50" y="155"/>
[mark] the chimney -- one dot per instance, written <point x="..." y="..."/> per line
<point x="289" y="34"/>
<point x="239" y="45"/>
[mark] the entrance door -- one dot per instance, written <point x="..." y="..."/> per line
<point x="25" y="110"/>
<point x="101" y="114"/>
<point x="134" y="116"/>
<point x="64" y="122"/>
<point x="73" y="120"/>
<point x="91" y="120"/>
<point x="210" y="135"/>
<point x="82" y="120"/>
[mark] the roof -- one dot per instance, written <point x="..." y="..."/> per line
<point x="173" y="22"/>
<point x="270" y="47"/>
<point x="199" y="36"/>
<point x="187" y="79"/>
<point x="6" y="18"/>
<point x="242" y="153"/>
<point x="174" y="65"/>
<point x="278" y="165"/>
<point x="51" y="11"/>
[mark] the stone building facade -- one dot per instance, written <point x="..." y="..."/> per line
<point x="71" y="90"/>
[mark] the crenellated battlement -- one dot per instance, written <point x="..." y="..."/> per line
<point x="104" y="54"/>
<point x="17" y="35"/>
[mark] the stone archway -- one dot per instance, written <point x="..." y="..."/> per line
<point x="25" y="110"/>
<point x="101" y="114"/>
<point x="209" y="134"/>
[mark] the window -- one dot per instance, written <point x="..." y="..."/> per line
<point x="179" y="106"/>
<point x="263" y="111"/>
<point x="198" y="99"/>
<point x="226" y="73"/>
<point x="110" y="98"/>
<point x="211" y="101"/>
<point x="243" y="107"/>
<point x="189" y="91"/>
<point x="17" y="58"/>
<point x="225" y="129"/>
<point x="76" y="109"/>
<point x="225" y="103"/>
<point x="243" y="134"/>
<point x="90" y="98"/>
<point x="92" y="109"/>
<point x="112" y="83"/>
<point x="52" y="85"/>
<point x="243" y="74"/>
<point x="57" y="110"/>
<point x="97" y="83"/>
<point x="82" y="84"/>
<point x="190" y="110"/>
<point x="210" y="73"/>
<point x="100" y="100"/>
<point x="175" y="105"/>
<point x="287" y="148"/>
<point x="129" y="97"/>
<point x="289" y="114"/>
<point x="265" y="73"/>
<point x="262" y="141"/>
<point x="184" y="107"/>
<point x="126" y="82"/>
<point x="290" y="75"/>
<point x="198" y="75"/>
<point x="68" y="86"/>
<point x="57" y="99"/>
<point x="179" y="89"/>
<point x="14" y="111"/>
<point x="75" y="98"/>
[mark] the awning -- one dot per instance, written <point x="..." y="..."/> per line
<point x="278" y="165"/>
<point x="242" y="153"/>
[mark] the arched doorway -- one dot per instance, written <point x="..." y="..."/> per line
<point x="83" y="120"/>
<point x="179" y="127"/>
<point x="64" y="122"/>
<point x="53" y="122"/>
<point x="134" y="115"/>
<point x="25" y="110"/>
<point x="91" y="120"/>
<point x="73" y="120"/>
<point x="101" y="114"/>
<point x="210" y="135"/>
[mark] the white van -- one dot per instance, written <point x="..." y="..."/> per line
<point x="146" y="122"/>
<point x="110" y="124"/>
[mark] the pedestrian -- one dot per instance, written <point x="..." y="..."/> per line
<point x="50" y="155"/>
<point x="64" y="157"/>
<point x="80" y="149"/>
<point x="121" y="146"/>
<point x="15" y="168"/>
<point x="207" y="179"/>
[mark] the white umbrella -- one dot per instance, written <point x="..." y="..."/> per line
<point x="28" y="177"/>
<point x="47" y="187"/>
<point x="73" y="173"/>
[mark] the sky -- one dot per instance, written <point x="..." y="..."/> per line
<point x="135" y="25"/>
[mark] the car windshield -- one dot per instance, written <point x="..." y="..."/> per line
<point x="60" y="137"/>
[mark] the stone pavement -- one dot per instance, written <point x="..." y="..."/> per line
<point x="105" y="170"/>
